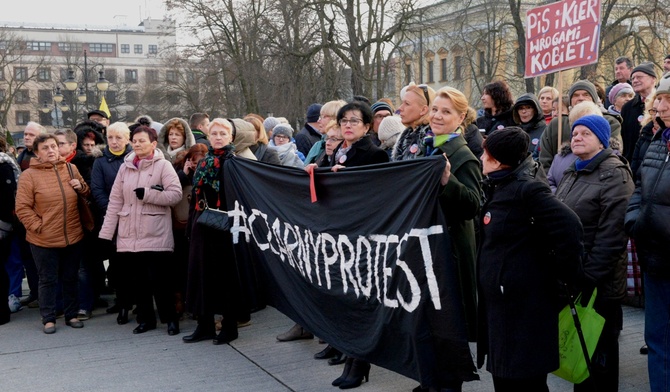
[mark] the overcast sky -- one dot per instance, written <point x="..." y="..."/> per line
<point x="82" y="12"/>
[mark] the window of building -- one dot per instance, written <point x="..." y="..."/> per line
<point x="70" y="47"/>
<point x="132" y="98"/>
<point x="44" y="96"/>
<point x="408" y="73"/>
<point x="110" y="75"/>
<point x="190" y="77"/>
<point x="431" y="75"/>
<point x="101" y="48"/>
<point x="3" y="94"/>
<point x="125" y="48"/>
<point x="131" y="75"/>
<point x="443" y="70"/>
<point x="458" y="67"/>
<point x="131" y="115"/>
<point x="153" y="49"/>
<point x="138" y="48"/>
<point x="38" y="46"/>
<point x="44" y="74"/>
<point x="152" y="75"/>
<point x="22" y="117"/>
<point x="21" y="73"/>
<point x="482" y="62"/>
<point x="22" y="96"/>
<point x="171" y="76"/>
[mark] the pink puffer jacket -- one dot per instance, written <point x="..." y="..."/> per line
<point x="143" y="225"/>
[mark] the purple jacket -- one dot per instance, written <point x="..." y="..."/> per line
<point x="143" y="225"/>
<point x="558" y="166"/>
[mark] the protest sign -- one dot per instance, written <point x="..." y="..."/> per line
<point x="562" y="35"/>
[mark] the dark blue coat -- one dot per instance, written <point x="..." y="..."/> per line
<point x="103" y="176"/>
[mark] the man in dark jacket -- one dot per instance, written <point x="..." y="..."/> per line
<point x="309" y="134"/>
<point x="199" y="123"/>
<point x="647" y="222"/>
<point x="623" y="66"/>
<point x="643" y="80"/>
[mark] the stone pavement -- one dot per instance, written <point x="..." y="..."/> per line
<point x="104" y="356"/>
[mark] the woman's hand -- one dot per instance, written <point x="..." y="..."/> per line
<point x="447" y="171"/>
<point x="310" y="167"/>
<point x="188" y="165"/>
<point x="337" y="167"/>
<point x="76" y="184"/>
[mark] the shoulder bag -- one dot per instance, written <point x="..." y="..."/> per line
<point x="84" y="207"/>
<point x="213" y="218"/>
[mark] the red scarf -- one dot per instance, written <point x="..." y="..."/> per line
<point x="69" y="157"/>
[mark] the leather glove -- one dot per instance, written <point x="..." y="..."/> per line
<point x="139" y="192"/>
<point x="157" y="187"/>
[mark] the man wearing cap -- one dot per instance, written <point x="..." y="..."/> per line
<point x="647" y="222"/>
<point x="623" y="66"/>
<point x="643" y="80"/>
<point x="666" y="64"/>
<point x="380" y="110"/>
<point x="580" y="91"/>
<point x="100" y="117"/>
<point x="309" y="134"/>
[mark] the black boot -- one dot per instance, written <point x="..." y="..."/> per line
<point x="347" y="367"/>
<point x="359" y="369"/>
<point x="204" y="331"/>
<point x="122" y="318"/>
<point x="328" y="352"/>
<point x="228" y="332"/>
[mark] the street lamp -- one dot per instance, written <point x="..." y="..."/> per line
<point x="71" y="83"/>
<point x="59" y="106"/>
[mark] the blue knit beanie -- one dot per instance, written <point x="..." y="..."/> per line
<point x="598" y="125"/>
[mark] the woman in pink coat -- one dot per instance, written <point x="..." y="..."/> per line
<point x="138" y="216"/>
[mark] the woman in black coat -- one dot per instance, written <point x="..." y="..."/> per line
<point x="529" y="240"/>
<point x="213" y="285"/>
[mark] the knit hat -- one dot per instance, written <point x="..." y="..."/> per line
<point x="508" y="146"/>
<point x="586" y="86"/>
<point x="282" y="129"/>
<point x="313" y="112"/>
<point x="389" y="127"/>
<point x="269" y="123"/>
<point x="646" y="67"/>
<point x="380" y="105"/>
<point x="598" y="125"/>
<point x="664" y="84"/>
<point x="620" y="88"/>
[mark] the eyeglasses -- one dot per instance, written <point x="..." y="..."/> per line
<point x="282" y="137"/>
<point x="352" y="121"/>
<point x="334" y="140"/>
<point x="425" y="92"/>
<point x="61" y="144"/>
<point x="652" y="112"/>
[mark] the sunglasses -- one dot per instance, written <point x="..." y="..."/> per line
<point x="424" y="88"/>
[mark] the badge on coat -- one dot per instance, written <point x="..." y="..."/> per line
<point x="343" y="159"/>
<point x="535" y="141"/>
<point x="501" y="126"/>
<point x="640" y="118"/>
<point x="487" y="218"/>
<point x="414" y="148"/>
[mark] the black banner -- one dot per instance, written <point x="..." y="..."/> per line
<point x="366" y="267"/>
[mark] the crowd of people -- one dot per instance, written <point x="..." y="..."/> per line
<point x="526" y="209"/>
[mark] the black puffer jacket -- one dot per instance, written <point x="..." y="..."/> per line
<point x="491" y="122"/>
<point x="535" y="127"/>
<point x="599" y="195"/>
<point x="631" y="113"/>
<point x="649" y="209"/>
<point x="641" y="147"/>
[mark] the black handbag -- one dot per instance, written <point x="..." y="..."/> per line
<point x="214" y="218"/>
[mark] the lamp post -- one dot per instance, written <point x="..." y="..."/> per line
<point x="58" y="109"/>
<point x="71" y="83"/>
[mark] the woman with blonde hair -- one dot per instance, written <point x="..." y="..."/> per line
<point x="414" y="111"/>
<point x="260" y="149"/>
<point x="328" y="113"/>
<point x="546" y="97"/>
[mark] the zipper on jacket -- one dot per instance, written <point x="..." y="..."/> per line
<point x="62" y="191"/>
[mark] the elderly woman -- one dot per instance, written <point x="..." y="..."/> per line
<point x="175" y="136"/>
<point x="213" y="282"/>
<point x="597" y="187"/>
<point x="529" y="240"/>
<point x="497" y="102"/>
<point x="528" y="116"/>
<point x="327" y="114"/>
<point x="282" y="136"/>
<point x="546" y="96"/>
<point x="46" y="204"/>
<point x="244" y="136"/>
<point x="414" y="111"/>
<point x="138" y="216"/>
<point x="260" y="149"/>
<point x="333" y="139"/>
<point x="103" y="175"/>
<point x="388" y="132"/>
<point x="619" y="94"/>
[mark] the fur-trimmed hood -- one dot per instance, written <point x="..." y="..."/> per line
<point x="164" y="145"/>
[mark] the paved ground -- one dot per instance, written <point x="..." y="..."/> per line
<point x="104" y="356"/>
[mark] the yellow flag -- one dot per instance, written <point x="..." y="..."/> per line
<point x="104" y="108"/>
